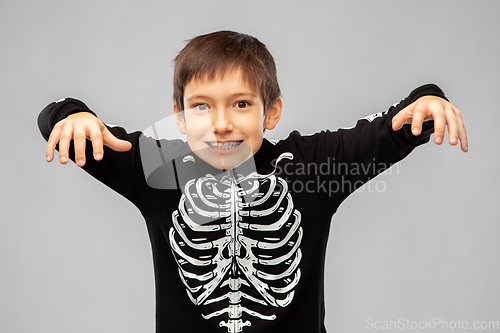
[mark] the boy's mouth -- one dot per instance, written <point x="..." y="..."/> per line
<point x="223" y="145"/>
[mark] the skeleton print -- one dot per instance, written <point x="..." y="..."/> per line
<point x="236" y="240"/>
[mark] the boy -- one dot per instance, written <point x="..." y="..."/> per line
<point x="239" y="224"/>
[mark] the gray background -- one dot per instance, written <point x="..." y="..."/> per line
<point x="75" y="256"/>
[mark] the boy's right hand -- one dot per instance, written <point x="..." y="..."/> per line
<point x="78" y="127"/>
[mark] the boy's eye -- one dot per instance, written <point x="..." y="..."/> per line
<point x="242" y="104"/>
<point x="201" y="107"/>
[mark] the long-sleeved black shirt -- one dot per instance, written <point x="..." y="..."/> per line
<point x="243" y="250"/>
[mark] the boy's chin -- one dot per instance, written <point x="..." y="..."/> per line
<point x="225" y="160"/>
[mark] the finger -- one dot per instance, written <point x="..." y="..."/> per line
<point x="95" y="135"/>
<point x="439" y="126"/>
<point x="396" y="123"/>
<point x="401" y="118"/>
<point x="451" y="121"/>
<point x="64" y="143"/>
<point x="462" y="133"/>
<point x="113" y="142"/>
<point x="52" y="142"/>
<point x="417" y="120"/>
<point x="80" y="142"/>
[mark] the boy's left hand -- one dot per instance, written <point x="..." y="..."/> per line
<point x="442" y="112"/>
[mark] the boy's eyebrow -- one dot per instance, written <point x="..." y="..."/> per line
<point x="232" y="96"/>
<point x="198" y="97"/>
<point x="243" y="94"/>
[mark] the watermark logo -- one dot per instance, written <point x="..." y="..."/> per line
<point x="182" y="152"/>
<point x="438" y="324"/>
<point x="331" y="177"/>
<point x="170" y="147"/>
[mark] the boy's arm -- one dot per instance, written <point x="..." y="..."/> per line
<point x="70" y="119"/>
<point x="109" y="154"/>
<point x="444" y="114"/>
<point x="358" y="154"/>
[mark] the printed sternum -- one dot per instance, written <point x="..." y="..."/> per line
<point x="235" y="246"/>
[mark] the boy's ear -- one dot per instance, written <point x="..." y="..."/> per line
<point x="273" y="114"/>
<point x="180" y="121"/>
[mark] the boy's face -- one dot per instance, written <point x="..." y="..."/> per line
<point x="224" y="119"/>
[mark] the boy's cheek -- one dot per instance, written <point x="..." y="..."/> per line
<point x="198" y="124"/>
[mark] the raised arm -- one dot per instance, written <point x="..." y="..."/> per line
<point x="442" y="112"/>
<point x="109" y="154"/>
<point x="79" y="126"/>
<point x="358" y="154"/>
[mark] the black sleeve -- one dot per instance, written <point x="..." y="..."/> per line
<point x="121" y="171"/>
<point x="358" y="154"/>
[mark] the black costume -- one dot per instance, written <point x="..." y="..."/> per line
<point x="243" y="250"/>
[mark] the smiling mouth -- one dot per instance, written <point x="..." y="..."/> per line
<point x="223" y="145"/>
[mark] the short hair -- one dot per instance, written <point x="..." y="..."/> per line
<point x="214" y="54"/>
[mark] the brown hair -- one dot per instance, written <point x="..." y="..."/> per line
<point x="212" y="55"/>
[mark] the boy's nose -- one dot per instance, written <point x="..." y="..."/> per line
<point x="221" y="122"/>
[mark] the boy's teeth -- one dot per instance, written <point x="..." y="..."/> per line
<point x="224" y="145"/>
